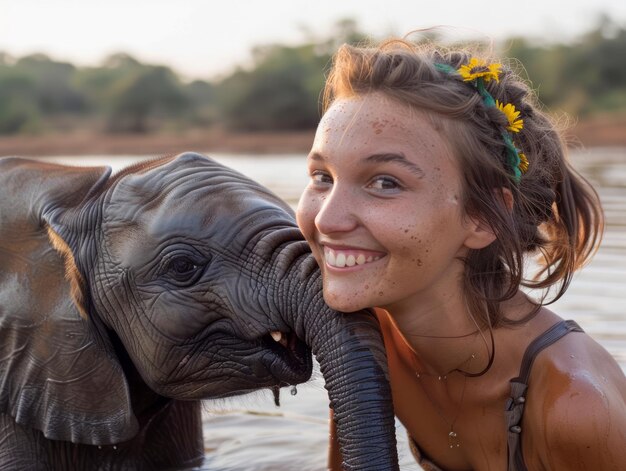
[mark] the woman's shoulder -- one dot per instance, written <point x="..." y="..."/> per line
<point x="576" y="405"/>
<point x="577" y="361"/>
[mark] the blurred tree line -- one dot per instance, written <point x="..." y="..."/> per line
<point x="280" y="91"/>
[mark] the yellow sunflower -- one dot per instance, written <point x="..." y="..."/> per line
<point x="515" y="124"/>
<point x="479" y="68"/>
<point x="523" y="162"/>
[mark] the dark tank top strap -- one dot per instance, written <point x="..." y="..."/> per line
<point x="514" y="408"/>
<point x="546" y="339"/>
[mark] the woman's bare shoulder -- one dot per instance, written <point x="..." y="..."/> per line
<point x="576" y="406"/>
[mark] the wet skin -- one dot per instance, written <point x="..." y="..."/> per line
<point x="383" y="215"/>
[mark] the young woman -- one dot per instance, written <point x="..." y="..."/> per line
<point x="435" y="180"/>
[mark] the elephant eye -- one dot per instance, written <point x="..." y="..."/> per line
<point x="182" y="269"/>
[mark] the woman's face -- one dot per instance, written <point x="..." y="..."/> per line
<point x="382" y="211"/>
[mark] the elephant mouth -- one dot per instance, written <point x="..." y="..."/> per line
<point x="290" y="359"/>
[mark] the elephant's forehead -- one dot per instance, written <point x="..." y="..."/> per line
<point x="201" y="202"/>
<point x="202" y="190"/>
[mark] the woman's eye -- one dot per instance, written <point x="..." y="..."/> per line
<point x="321" y="178"/>
<point x="384" y="183"/>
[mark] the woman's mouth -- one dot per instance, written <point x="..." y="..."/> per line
<point x="340" y="258"/>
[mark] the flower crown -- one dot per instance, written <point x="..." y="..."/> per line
<point x="477" y="72"/>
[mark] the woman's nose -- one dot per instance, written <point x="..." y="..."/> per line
<point x="337" y="213"/>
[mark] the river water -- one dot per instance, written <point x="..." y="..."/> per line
<point x="250" y="434"/>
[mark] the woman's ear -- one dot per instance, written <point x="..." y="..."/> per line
<point x="481" y="234"/>
<point x="505" y="196"/>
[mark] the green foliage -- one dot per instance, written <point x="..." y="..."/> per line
<point x="280" y="91"/>
<point x="51" y="80"/>
<point x="203" y="96"/>
<point x="149" y="92"/>
<point x="18" y="107"/>
<point x="588" y="76"/>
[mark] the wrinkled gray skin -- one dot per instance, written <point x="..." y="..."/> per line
<point x="125" y="300"/>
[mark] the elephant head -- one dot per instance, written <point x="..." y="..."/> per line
<point x="174" y="278"/>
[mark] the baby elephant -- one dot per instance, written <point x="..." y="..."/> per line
<point x="126" y="299"/>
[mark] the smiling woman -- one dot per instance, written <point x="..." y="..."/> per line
<point x="387" y="182"/>
<point x="434" y="180"/>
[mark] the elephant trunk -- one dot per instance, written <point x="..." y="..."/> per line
<point x="352" y="359"/>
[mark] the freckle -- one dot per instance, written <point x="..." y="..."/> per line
<point x="378" y="131"/>
<point x="380" y="293"/>
<point x="406" y="230"/>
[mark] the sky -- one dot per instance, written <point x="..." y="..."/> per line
<point x="206" y="38"/>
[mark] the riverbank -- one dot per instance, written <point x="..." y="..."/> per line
<point x="156" y="144"/>
<point x="607" y="131"/>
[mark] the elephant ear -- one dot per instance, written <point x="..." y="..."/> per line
<point x="57" y="373"/>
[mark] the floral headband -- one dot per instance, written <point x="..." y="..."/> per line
<point x="477" y="72"/>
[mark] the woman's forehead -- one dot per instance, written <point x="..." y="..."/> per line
<point x="374" y="109"/>
<point x="376" y="120"/>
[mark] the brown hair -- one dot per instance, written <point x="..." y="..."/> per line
<point x="556" y="213"/>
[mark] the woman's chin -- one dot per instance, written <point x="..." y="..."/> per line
<point x="343" y="303"/>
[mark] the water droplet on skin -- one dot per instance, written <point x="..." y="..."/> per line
<point x="294" y="390"/>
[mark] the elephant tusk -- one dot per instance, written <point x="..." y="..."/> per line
<point x="280" y="338"/>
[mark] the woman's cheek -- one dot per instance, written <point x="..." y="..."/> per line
<point x="306" y="212"/>
<point x="305" y="215"/>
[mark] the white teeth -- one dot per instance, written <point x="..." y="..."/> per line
<point x="340" y="261"/>
<point x="330" y="257"/>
